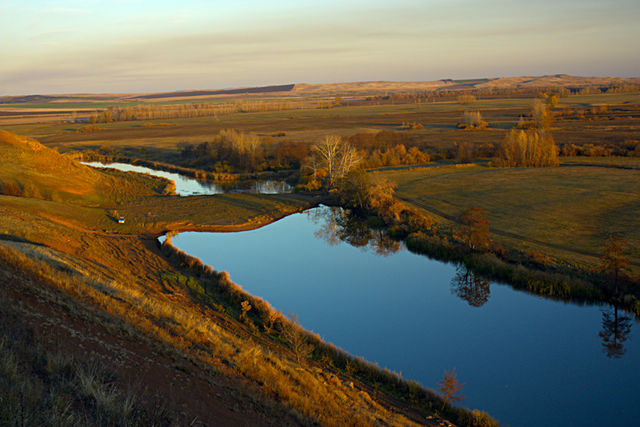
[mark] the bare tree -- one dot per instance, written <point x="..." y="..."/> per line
<point x="612" y="262"/>
<point x="475" y="228"/>
<point x="542" y="117"/>
<point x="450" y="388"/>
<point x="336" y="156"/>
<point x="347" y="160"/>
<point x="464" y="153"/>
<point x="294" y="335"/>
<point x="328" y="151"/>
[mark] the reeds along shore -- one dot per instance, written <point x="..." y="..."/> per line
<point x="520" y="270"/>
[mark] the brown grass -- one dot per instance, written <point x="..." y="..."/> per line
<point x="126" y="290"/>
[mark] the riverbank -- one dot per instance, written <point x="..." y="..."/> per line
<point x="130" y="280"/>
<point x="354" y="286"/>
<point x="533" y="272"/>
<point x="219" y="292"/>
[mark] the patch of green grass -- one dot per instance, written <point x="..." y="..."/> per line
<point x="233" y="211"/>
<point x="566" y="211"/>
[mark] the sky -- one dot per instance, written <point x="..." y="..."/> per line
<point x="88" y="46"/>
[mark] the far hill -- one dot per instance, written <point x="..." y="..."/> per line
<point x="28" y="168"/>
<point x="363" y="88"/>
<point x="197" y="93"/>
<point x="555" y="81"/>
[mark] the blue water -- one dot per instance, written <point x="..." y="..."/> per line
<point x="526" y="360"/>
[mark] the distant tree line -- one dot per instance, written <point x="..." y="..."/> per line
<point x="468" y="96"/>
<point x="182" y="111"/>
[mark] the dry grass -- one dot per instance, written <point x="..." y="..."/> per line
<point x="195" y="332"/>
<point x="125" y="277"/>
<point x="42" y="173"/>
<point x="567" y="212"/>
<point x="42" y="387"/>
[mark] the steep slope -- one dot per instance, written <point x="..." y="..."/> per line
<point x="29" y="169"/>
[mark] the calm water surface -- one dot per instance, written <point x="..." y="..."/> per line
<point x="186" y="186"/>
<point x="526" y="360"/>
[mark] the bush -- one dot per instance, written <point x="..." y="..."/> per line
<point x="472" y="120"/>
<point x="11" y="189"/>
<point x="466" y="99"/>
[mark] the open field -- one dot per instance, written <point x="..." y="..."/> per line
<point x="566" y="212"/>
<point x="618" y="125"/>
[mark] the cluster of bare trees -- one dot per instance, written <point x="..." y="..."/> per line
<point x="230" y="150"/>
<point x="531" y="147"/>
<point x="472" y="120"/>
<point x="331" y="160"/>
<point x="465" y="99"/>
<point x="526" y="148"/>
<point x="394" y="156"/>
<point x="387" y="148"/>
<point x="234" y="151"/>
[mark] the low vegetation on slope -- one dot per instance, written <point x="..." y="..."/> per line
<point x="32" y="170"/>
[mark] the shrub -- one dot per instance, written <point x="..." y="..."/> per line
<point x="466" y="99"/>
<point x="11" y="189"/>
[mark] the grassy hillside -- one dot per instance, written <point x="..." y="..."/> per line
<point x="32" y="170"/>
<point x="165" y="328"/>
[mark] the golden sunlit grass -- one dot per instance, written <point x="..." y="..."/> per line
<point x="32" y="170"/>
<point x="566" y="212"/>
<point x="47" y="181"/>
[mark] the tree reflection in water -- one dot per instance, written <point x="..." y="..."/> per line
<point x="469" y="287"/>
<point x="340" y="225"/>
<point x="615" y="331"/>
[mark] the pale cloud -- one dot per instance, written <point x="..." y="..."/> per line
<point x="132" y="46"/>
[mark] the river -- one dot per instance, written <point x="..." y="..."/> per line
<point x="526" y="360"/>
<point x="186" y="186"/>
